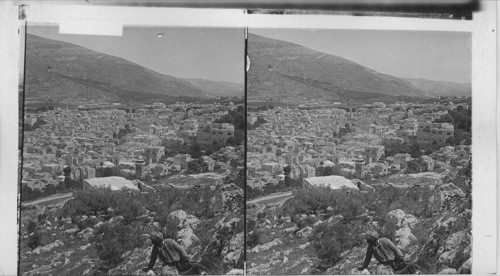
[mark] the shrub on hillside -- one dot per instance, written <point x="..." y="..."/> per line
<point x="90" y="202"/>
<point x="34" y="239"/>
<point x="253" y="238"/>
<point x="98" y="201"/>
<point x="31" y="226"/>
<point x="86" y="223"/>
<point x="309" y="221"/>
<point x="332" y="241"/>
<point x="113" y="241"/>
<point x="348" y="203"/>
<point x="129" y="207"/>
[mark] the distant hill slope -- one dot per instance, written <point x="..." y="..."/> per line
<point x="442" y="88"/>
<point x="281" y="71"/>
<point x="61" y="71"/>
<point x="218" y="88"/>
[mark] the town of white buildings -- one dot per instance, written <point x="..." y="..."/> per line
<point x="131" y="142"/>
<point x="352" y="142"/>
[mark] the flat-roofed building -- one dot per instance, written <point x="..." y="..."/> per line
<point x="115" y="183"/>
<point x="334" y="182"/>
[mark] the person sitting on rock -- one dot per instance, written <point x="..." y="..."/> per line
<point x="388" y="255"/>
<point x="169" y="252"/>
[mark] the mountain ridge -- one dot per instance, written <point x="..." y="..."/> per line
<point x="283" y="70"/>
<point x="58" y="71"/>
<point x="218" y="88"/>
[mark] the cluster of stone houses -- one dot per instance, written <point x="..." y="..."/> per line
<point x="307" y="139"/>
<point x="87" y="140"/>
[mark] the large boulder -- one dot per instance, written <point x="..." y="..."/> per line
<point x="449" y="197"/>
<point x="224" y="239"/>
<point x="233" y="252"/>
<point x="41" y="270"/>
<point x="188" y="240"/>
<point x="404" y="238"/>
<point x="86" y="233"/>
<point x="182" y="220"/>
<point x="266" y="246"/>
<point x="397" y="219"/>
<point x="335" y="219"/>
<point x="71" y="231"/>
<point x="448" y="271"/>
<point x="466" y="267"/>
<point x="355" y="271"/>
<point x="48" y="247"/>
<point x="452" y="253"/>
<point x="116" y="220"/>
<point x="235" y="271"/>
<point x="305" y="232"/>
<point x="229" y="197"/>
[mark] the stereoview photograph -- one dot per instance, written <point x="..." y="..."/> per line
<point x="132" y="152"/>
<point x="359" y="152"/>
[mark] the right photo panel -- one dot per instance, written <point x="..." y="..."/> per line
<point x="358" y="152"/>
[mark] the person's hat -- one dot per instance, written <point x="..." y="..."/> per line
<point x="371" y="235"/>
<point x="156" y="236"/>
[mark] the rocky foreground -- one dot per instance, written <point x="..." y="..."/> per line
<point x="75" y="245"/>
<point x="437" y="238"/>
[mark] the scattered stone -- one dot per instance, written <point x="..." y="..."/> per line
<point x="71" y="231"/>
<point x="290" y="230"/>
<point x="54" y="264"/>
<point x="182" y="220"/>
<point x="466" y="267"/>
<point x="266" y="246"/>
<point x="85" y="247"/>
<point x="97" y="225"/>
<point x="47" y="247"/>
<point x="404" y="238"/>
<point x="233" y="252"/>
<point x="187" y="239"/>
<point x="396" y="219"/>
<point x="448" y="271"/>
<point x="303" y="246"/>
<point x="115" y="220"/>
<point x="86" y="233"/>
<point x="235" y="271"/>
<point x="317" y="223"/>
<point x="304" y="232"/>
<point x="335" y="219"/>
<point x="355" y="271"/>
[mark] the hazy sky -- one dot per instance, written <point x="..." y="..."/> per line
<point x="210" y="53"/>
<point x="443" y="56"/>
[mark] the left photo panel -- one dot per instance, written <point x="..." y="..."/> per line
<point x="132" y="152"/>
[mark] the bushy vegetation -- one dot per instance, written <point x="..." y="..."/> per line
<point x="34" y="239"/>
<point x="131" y="205"/>
<point x="113" y="241"/>
<point x="461" y="119"/>
<point x="349" y="204"/>
<point x="333" y="242"/>
<point x="237" y="118"/>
